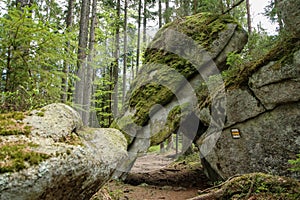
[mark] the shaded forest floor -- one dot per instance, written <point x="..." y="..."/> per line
<point x="157" y="176"/>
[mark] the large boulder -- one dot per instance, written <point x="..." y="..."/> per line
<point x="265" y="108"/>
<point x="46" y="154"/>
<point x="181" y="55"/>
<point x="178" y="90"/>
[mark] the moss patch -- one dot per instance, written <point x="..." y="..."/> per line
<point x="173" y="123"/>
<point x="282" y="53"/>
<point x="203" y="28"/>
<point x="258" y="186"/>
<point x="17" y="156"/>
<point x="123" y="124"/>
<point x="11" y="124"/>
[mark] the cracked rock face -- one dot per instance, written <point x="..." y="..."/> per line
<point x="76" y="162"/>
<point x="267" y="114"/>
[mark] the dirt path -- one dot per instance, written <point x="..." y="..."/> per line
<point x="157" y="176"/>
<point x="152" y="162"/>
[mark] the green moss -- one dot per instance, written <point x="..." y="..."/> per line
<point x="282" y="52"/>
<point x="41" y="114"/>
<point x="203" y="28"/>
<point x="158" y="88"/>
<point x="173" y="122"/>
<point x="11" y="124"/>
<point x="147" y="96"/>
<point x="262" y="185"/>
<point x="123" y="124"/>
<point x="17" y="156"/>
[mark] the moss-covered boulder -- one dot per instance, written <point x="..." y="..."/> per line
<point x="263" y="104"/>
<point x="47" y="154"/>
<point x="181" y="56"/>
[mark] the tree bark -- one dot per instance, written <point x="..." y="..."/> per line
<point x="69" y="22"/>
<point x="195" y="6"/>
<point x="145" y="23"/>
<point x="167" y="14"/>
<point x="125" y="52"/>
<point x="116" y="62"/>
<point x="139" y="37"/>
<point x="82" y="45"/>
<point x="159" y="14"/>
<point x="248" y="17"/>
<point x="87" y="92"/>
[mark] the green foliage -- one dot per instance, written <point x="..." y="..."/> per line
<point x="32" y="55"/>
<point x="102" y="100"/>
<point x="17" y="156"/>
<point x="155" y="148"/>
<point x="295" y="163"/>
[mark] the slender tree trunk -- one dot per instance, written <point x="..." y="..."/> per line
<point x="159" y="14"/>
<point x="132" y="68"/>
<point x="248" y="17"/>
<point x="195" y="6"/>
<point x="69" y="22"/>
<point x="110" y="99"/>
<point x="125" y="52"/>
<point x="116" y="62"/>
<point x="87" y="92"/>
<point x="167" y="12"/>
<point x="139" y="38"/>
<point x="145" y="24"/>
<point x="82" y="45"/>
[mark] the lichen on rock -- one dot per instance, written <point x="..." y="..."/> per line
<point x="57" y="159"/>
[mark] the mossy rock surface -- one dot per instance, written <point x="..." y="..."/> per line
<point x="255" y="186"/>
<point x="57" y="159"/>
<point x="17" y="156"/>
<point x="164" y="72"/>
<point x="11" y="124"/>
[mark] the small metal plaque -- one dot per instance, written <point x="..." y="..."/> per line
<point x="235" y="133"/>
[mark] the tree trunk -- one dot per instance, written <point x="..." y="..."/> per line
<point x="125" y="52"/>
<point x="167" y="12"/>
<point x="145" y="24"/>
<point x="159" y="14"/>
<point x="82" y="45"/>
<point x="139" y="38"/>
<point x="248" y="17"/>
<point x="195" y="6"/>
<point x="69" y="22"/>
<point x="87" y="92"/>
<point x="116" y="62"/>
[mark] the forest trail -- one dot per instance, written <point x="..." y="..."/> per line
<point x="157" y="176"/>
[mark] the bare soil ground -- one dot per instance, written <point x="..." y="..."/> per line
<point x="157" y="176"/>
